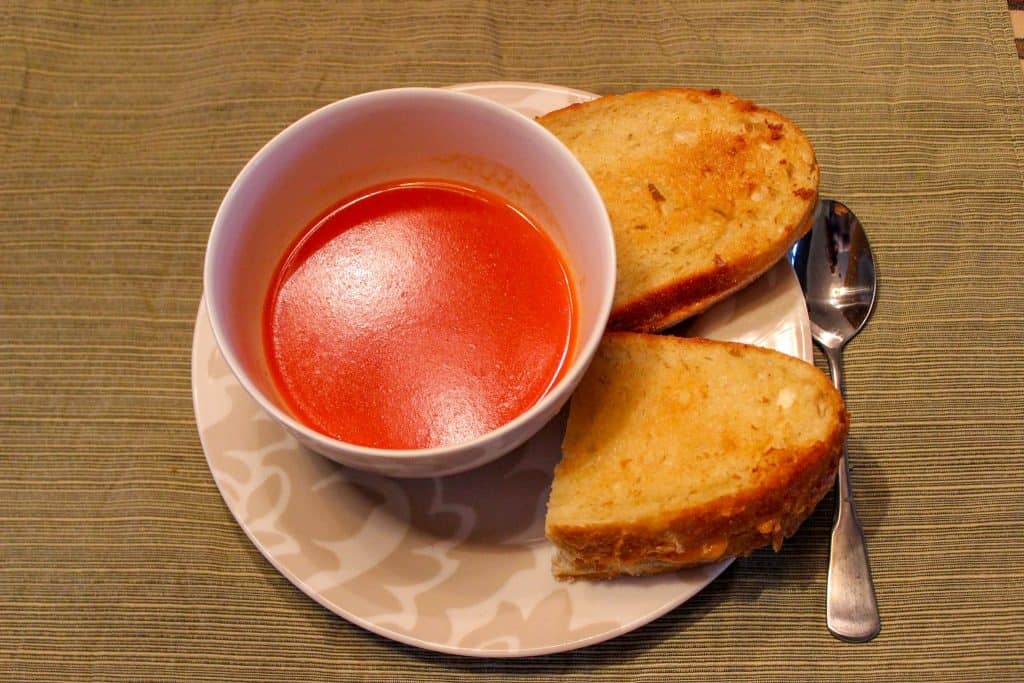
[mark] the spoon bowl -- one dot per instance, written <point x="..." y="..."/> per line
<point x="836" y="269"/>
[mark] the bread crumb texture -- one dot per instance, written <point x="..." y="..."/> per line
<point x="704" y="191"/>
<point x="677" y="445"/>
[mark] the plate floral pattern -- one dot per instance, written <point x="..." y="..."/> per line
<point x="455" y="564"/>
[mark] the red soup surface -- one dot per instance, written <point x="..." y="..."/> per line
<point x="418" y="314"/>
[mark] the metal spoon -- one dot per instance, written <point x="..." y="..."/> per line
<point x="837" y="273"/>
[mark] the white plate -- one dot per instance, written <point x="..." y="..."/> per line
<point x="456" y="564"/>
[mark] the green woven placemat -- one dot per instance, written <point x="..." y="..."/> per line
<point x="121" y="126"/>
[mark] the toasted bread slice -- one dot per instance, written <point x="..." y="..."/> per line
<point x="680" y="452"/>
<point x="705" y="192"/>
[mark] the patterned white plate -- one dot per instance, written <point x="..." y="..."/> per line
<point x="456" y="564"/>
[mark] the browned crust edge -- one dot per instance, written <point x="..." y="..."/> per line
<point x="736" y="101"/>
<point x="684" y="298"/>
<point x="673" y="303"/>
<point x="748" y="520"/>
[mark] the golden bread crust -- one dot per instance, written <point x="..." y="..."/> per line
<point x="774" y="485"/>
<point x="705" y="192"/>
<point x="686" y="297"/>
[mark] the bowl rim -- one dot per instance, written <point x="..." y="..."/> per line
<point x="581" y="359"/>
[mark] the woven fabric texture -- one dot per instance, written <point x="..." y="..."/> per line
<point x="121" y="127"/>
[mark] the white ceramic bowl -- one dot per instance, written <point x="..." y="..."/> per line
<point x="392" y="135"/>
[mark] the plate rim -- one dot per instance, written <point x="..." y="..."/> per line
<point x="712" y="571"/>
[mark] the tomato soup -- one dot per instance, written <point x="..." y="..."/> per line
<point x="418" y="314"/>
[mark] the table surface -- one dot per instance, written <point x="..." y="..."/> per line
<point x="1017" y="22"/>
<point x="121" y="126"/>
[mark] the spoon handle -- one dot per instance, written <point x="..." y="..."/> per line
<point x="851" y="607"/>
